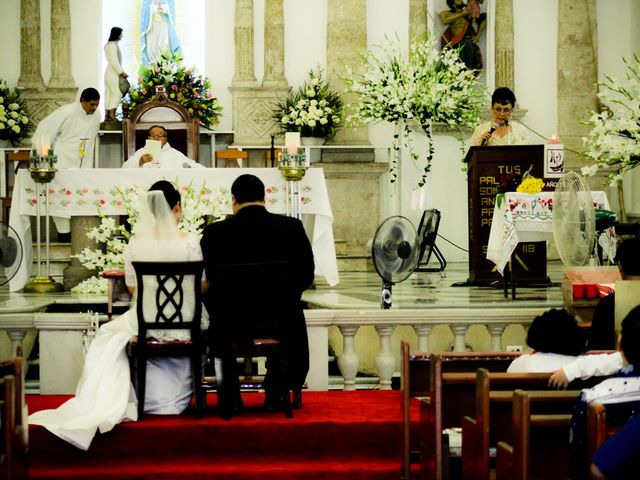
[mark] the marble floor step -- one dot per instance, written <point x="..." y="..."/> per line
<point x="57" y="251"/>
<point x="355" y="263"/>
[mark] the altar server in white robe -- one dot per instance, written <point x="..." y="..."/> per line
<point x="71" y="131"/>
<point x="165" y="157"/>
<point x="105" y="395"/>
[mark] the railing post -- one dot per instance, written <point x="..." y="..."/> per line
<point x="385" y="361"/>
<point x="496" y="330"/>
<point x="459" y="333"/>
<point x="349" y="361"/>
<point x="423" y="332"/>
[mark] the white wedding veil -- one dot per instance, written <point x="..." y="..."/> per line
<point x="156" y="236"/>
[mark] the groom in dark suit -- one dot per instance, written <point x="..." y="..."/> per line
<point x="265" y="302"/>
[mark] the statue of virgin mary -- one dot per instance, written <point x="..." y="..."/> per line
<point x="158" y="32"/>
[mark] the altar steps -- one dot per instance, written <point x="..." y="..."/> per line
<point x="59" y="258"/>
<point x="338" y="435"/>
<point x="349" y="261"/>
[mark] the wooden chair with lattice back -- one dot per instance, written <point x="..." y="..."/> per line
<point x="233" y="157"/>
<point x="169" y="298"/>
<point x="183" y="128"/>
<point x="251" y="306"/>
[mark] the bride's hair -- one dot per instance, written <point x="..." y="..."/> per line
<point x="169" y="191"/>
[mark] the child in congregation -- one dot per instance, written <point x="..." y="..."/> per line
<point x="556" y="340"/>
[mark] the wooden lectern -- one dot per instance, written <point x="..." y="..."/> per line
<point x="486" y="165"/>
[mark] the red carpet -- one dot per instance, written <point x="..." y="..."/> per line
<point x="337" y="435"/>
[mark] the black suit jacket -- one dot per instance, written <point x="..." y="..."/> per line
<point x="268" y="300"/>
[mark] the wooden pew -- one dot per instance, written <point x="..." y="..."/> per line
<point x="493" y="414"/>
<point x="15" y="435"/>
<point x="451" y="399"/>
<point x="549" y="433"/>
<point x="603" y="421"/>
<point x="7" y="426"/>
<point x="416" y="372"/>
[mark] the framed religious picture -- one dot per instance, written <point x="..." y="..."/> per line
<point x="553" y="160"/>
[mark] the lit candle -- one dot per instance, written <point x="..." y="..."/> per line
<point x="553" y="139"/>
<point x="292" y="142"/>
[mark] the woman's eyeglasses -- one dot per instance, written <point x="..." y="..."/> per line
<point x="506" y="110"/>
<point x="157" y="135"/>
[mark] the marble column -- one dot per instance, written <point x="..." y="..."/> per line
<point x="253" y="104"/>
<point x="577" y="70"/>
<point x="418" y="19"/>
<point x="243" y="36"/>
<point x="504" y="76"/>
<point x="60" y="45"/>
<point x="61" y="89"/>
<point x="274" y="45"/>
<point x="30" y="68"/>
<point x="346" y="38"/>
<point x="75" y="272"/>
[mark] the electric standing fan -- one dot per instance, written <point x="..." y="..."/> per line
<point x="395" y="252"/>
<point x="10" y="253"/>
<point x="574" y="220"/>
<point x="427" y="233"/>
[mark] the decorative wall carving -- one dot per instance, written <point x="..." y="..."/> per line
<point x="30" y="72"/>
<point x="253" y="104"/>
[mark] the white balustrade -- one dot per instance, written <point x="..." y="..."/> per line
<point x="385" y="361"/>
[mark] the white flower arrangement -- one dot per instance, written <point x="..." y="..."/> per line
<point x="14" y="120"/>
<point x="198" y="206"/>
<point x="431" y="85"/>
<point x="313" y="109"/>
<point x="614" y="141"/>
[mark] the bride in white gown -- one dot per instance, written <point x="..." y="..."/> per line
<point x="105" y="395"/>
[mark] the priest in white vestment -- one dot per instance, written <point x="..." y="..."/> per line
<point x="71" y="131"/>
<point x="165" y="157"/>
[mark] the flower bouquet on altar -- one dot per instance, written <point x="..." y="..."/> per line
<point x="199" y="206"/>
<point x="183" y="86"/>
<point x="14" y="120"/>
<point x="613" y="144"/>
<point x="313" y="109"/>
<point x="431" y="85"/>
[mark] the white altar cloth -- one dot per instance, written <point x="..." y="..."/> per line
<point x="523" y="217"/>
<point x="79" y="192"/>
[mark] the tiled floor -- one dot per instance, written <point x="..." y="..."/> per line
<point x="358" y="290"/>
<point x="361" y="290"/>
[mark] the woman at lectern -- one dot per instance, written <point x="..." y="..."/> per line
<point x="500" y="130"/>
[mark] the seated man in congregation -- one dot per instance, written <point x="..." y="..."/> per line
<point x="168" y="157"/>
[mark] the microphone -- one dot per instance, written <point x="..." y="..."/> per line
<point x="494" y="127"/>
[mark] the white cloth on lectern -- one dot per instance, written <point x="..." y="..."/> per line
<point x="169" y="158"/>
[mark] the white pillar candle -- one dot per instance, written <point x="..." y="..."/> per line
<point x="292" y="142"/>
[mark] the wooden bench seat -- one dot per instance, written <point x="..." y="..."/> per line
<point x="539" y="442"/>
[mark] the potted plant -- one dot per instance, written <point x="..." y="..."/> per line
<point x="313" y="109"/>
